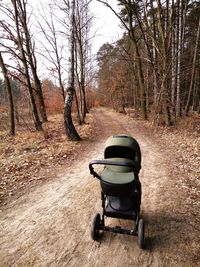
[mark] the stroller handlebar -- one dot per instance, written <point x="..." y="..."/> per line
<point x="108" y="162"/>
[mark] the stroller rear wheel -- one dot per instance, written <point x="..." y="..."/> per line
<point x="95" y="226"/>
<point x="141" y="233"/>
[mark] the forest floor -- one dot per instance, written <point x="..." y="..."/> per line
<point x="32" y="157"/>
<point x="48" y="198"/>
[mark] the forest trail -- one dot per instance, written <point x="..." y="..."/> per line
<point x="50" y="225"/>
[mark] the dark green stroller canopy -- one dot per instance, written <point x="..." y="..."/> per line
<point x="124" y="147"/>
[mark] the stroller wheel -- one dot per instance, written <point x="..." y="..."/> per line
<point x="141" y="233"/>
<point x="95" y="226"/>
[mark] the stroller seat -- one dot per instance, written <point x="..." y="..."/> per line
<point x="118" y="180"/>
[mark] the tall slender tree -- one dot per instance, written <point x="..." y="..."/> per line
<point x="69" y="126"/>
<point x="10" y="96"/>
<point x="23" y="58"/>
<point x="83" y="20"/>
<point x="188" y="103"/>
<point x="21" y="6"/>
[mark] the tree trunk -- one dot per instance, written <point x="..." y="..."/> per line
<point x="69" y="126"/>
<point x="77" y="109"/>
<point x="38" y="89"/>
<point x="195" y="91"/>
<point x="16" y="112"/>
<point x="154" y="58"/>
<point x="33" y="65"/>
<point x="193" y="71"/>
<point x="10" y="96"/>
<point x="81" y="33"/>
<point x="174" y="61"/>
<point x="179" y="39"/>
<point x="61" y="84"/>
<point x="165" y="35"/>
<point x="139" y="71"/>
<point x="198" y="107"/>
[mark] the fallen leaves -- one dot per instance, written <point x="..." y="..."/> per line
<point x="30" y="156"/>
<point x="183" y="149"/>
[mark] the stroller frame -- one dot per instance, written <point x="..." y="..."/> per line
<point x="98" y="223"/>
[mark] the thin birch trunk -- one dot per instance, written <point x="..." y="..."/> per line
<point x="164" y="89"/>
<point x="174" y="59"/>
<point x="178" y="100"/>
<point x="195" y="91"/>
<point x="69" y="126"/>
<point x="154" y="57"/>
<point x="78" y="103"/>
<point x="193" y="70"/>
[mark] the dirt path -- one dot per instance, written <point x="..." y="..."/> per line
<point x="50" y="226"/>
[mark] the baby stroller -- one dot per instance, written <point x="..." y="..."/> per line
<point x="120" y="186"/>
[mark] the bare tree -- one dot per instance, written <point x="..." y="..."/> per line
<point x="69" y="126"/>
<point x="179" y="43"/>
<point x="19" y="42"/>
<point x="193" y="70"/>
<point x="10" y="96"/>
<point x="53" y="50"/>
<point x="82" y="27"/>
<point x="21" y="6"/>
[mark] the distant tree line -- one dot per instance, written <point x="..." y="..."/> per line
<point x="155" y="66"/>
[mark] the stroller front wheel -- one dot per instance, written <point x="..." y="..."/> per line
<point x="95" y="226"/>
<point x="141" y="233"/>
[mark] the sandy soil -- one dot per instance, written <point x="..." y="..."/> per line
<point x="50" y="224"/>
